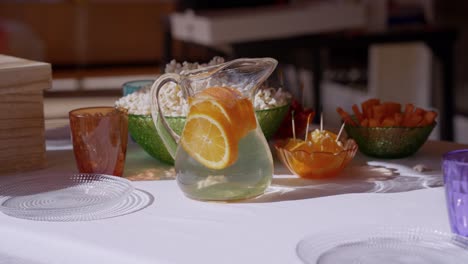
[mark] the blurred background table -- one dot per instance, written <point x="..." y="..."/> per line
<point x="210" y="30"/>
<point x="441" y="42"/>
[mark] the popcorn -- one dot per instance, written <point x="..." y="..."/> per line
<point x="175" y="67"/>
<point x="269" y="98"/>
<point x="174" y="104"/>
<point x="139" y="102"/>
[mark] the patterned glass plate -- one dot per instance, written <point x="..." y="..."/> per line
<point x="384" y="246"/>
<point x="61" y="198"/>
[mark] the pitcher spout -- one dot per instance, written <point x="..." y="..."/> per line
<point x="250" y="73"/>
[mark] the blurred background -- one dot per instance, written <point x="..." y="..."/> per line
<point x="331" y="52"/>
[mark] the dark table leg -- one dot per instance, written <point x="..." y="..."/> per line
<point x="444" y="51"/>
<point x="167" y="43"/>
<point x="448" y="94"/>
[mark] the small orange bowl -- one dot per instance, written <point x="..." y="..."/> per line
<point x="316" y="165"/>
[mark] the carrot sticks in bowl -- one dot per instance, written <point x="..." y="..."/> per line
<point x="374" y="113"/>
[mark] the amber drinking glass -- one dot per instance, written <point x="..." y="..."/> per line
<point x="99" y="137"/>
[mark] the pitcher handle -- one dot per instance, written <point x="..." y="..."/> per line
<point x="168" y="136"/>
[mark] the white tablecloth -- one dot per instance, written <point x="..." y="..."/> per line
<point x="171" y="228"/>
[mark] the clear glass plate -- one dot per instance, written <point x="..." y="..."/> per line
<point x="61" y="198"/>
<point x="10" y="259"/>
<point x="384" y="246"/>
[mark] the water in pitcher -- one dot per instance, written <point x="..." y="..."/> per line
<point x="224" y="154"/>
<point x="246" y="178"/>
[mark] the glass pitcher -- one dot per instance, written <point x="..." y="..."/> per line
<point x="222" y="153"/>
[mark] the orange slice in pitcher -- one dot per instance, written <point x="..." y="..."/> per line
<point x="243" y="111"/>
<point x="208" y="107"/>
<point x="238" y="110"/>
<point x="208" y="138"/>
<point x="218" y="118"/>
<point x="247" y="114"/>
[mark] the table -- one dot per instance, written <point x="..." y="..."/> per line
<point x="167" y="227"/>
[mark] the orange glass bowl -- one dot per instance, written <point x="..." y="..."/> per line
<point x="316" y="165"/>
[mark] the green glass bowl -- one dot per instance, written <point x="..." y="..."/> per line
<point x="270" y="119"/>
<point x="143" y="131"/>
<point x="389" y="142"/>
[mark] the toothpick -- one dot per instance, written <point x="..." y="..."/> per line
<point x="339" y="133"/>
<point x="293" y="126"/>
<point x="321" y="121"/>
<point x="307" y="127"/>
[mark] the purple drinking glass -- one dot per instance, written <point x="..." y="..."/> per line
<point x="455" y="170"/>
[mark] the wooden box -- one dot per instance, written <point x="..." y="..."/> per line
<point x="22" y="139"/>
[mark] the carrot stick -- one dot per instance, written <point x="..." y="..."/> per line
<point x="409" y="108"/>
<point x="398" y="119"/>
<point x="379" y="112"/>
<point x="367" y="106"/>
<point x="391" y="108"/>
<point x="357" y="113"/>
<point x="365" y="122"/>
<point x="373" y="122"/>
<point x="429" y="117"/>
<point x="388" y="122"/>
<point x="345" y="116"/>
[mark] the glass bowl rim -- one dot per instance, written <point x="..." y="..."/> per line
<point x="446" y="157"/>
<point x="391" y="127"/>
<point x="183" y="117"/>
<point x="353" y="146"/>
<point x="138" y="80"/>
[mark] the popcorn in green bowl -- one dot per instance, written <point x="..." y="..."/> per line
<point x="271" y="106"/>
